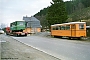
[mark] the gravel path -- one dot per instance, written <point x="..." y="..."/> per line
<point x="14" y="50"/>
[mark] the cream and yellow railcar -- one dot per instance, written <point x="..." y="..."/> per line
<point x="71" y="30"/>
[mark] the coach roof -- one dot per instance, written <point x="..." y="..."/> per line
<point x="69" y="23"/>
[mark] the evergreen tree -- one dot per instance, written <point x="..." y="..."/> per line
<point x="56" y="12"/>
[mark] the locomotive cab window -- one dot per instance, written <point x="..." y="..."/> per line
<point x="81" y="26"/>
<point x="21" y="23"/>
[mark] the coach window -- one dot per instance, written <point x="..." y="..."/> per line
<point x="59" y="27"/>
<point x="73" y="26"/>
<point x="53" y="28"/>
<point x="81" y="26"/>
<point x="68" y="27"/>
<point x="62" y="27"/>
<point x="56" y="27"/>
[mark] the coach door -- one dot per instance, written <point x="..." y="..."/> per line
<point x="73" y="30"/>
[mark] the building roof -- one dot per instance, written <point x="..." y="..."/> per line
<point x="32" y="22"/>
<point x="30" y="18"/>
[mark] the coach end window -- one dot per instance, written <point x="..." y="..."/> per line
<point x="81" y="26"/>
<point x="54" y="28"/>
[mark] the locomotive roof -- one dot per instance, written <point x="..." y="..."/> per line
<point x="18" y="21"/>
<point x="69" y="23"/>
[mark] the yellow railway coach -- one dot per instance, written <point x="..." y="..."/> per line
<point x="70" y="30"/>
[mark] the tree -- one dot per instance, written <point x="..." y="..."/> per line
<point x="42" y="17"/>
<point x="86" y="3"/>
<point x="2" y="25"/>
<point x="56" y="12"/>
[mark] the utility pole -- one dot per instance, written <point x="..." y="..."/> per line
<point x="30" y="25"/>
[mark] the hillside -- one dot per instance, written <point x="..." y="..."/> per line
<point x="83" y="15"/>
<point x="80" y="14"/>
<point x="77" y="10"/>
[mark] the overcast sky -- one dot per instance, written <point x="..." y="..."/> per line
<point x="13" y="10"/>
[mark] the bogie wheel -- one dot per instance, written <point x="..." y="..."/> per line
<point x="79" y="38"/>
<point x="16" y="35"/>
<point x="69" y="38"/>
<point x="25" y="34"/>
